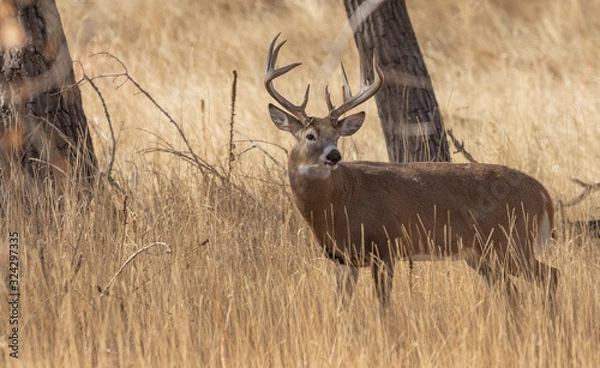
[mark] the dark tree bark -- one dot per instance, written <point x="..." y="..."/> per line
<point x="408" y="110"/>
<point x="43" y="127"/>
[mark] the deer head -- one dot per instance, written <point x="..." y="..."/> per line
<point x="316" y="150"/>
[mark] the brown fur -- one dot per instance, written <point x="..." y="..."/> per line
<point x="372" y="213"/>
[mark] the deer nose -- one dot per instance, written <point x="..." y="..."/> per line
<point x="334" y="156"/>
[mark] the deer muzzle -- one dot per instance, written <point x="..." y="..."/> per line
<point x="333" y="157"/>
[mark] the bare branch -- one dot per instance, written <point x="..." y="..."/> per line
<point x="167" y="250"/>
<point x="587" y="190"/>
<point x="113" y="147"/>
<point x="199" y="162"/>
<point x="231" y="125"/>
<point x="183" y="256"/>
<point x="186" y="156"/>
<point x="255" y="145"/>
<point x="460" y="147"/>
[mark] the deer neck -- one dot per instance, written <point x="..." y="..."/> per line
<point x="314" y="188"/>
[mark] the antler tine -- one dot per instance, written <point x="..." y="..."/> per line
<point x="346" y="87"/>
<point x="366" y="90"/>
<point x="305" y="101"/>
<point x="328" y="100"/>
<point x="271" y="73"/>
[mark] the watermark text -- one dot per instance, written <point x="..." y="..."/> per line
<point x="13" y="294"/>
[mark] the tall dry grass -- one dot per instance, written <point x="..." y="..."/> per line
<point x="232" y="276"/>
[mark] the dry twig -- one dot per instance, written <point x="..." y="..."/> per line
<point x="460" y="147"/>
<point x="587" y="190"/>
<point x="231" y="124"/>
<point x="168" y="250"/>
<point x="254" y="144"/>
<point x="192" y="157"/>
<point x="113" y="144"/>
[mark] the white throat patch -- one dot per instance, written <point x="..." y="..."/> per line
<point x="315" y="171"/>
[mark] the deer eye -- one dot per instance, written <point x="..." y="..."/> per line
<point x="311" y="137"/>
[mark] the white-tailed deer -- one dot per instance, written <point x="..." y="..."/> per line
<point x="371" y="213"/>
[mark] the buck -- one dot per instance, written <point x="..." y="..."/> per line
<point x="373" y="213"/>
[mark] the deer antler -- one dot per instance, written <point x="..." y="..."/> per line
<point x="366" y="90"/>
<point x="271" y="73"/>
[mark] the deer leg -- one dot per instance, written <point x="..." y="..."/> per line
<point x="345" y="280"/>
<point x="383" y="276"/>
<point x="543" y="275"/>
<point x="492" y="276"/>
<point x="549" y="278"/>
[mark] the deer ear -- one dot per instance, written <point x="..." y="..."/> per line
<point x="351" y="124"/>
<point x="283" y="120"/>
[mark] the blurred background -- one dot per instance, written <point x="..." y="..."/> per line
<point x="517" y="81"/>
<point x="190" y="270"/>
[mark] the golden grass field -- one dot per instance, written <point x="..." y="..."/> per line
<point x="232" y="276"/>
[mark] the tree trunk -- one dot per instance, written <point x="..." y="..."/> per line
<point x="43" y="127"/>
<point x="408" y="110"/>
